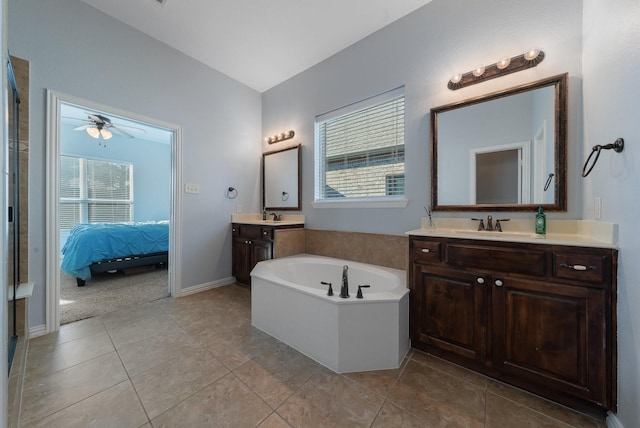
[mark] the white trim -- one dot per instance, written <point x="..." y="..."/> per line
<point x="361" y="203"/>
<point x="613" y="421"/>
<point x="206" y="286"/>
<point x="54" y="100"/>
<point x="37" y="331"/>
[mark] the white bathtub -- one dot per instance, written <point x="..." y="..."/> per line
<point x="347" y="335"/>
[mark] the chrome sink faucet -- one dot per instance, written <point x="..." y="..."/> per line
<point x="276" y="216"/>
<point x="344" y="289"/>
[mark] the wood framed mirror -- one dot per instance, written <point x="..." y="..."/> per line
<point x="281" y="179"/>
<point x="505" y="151"/>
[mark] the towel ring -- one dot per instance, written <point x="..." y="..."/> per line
<point x="617" y="146"/>
<point x="231" y="193"/>
<point x="285" y="196"/>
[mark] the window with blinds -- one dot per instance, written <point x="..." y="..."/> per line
<point x="360" y="150"/>
<point x="94" y="191"/>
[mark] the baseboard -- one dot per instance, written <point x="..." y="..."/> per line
<point x="613" y="421"/>
<point x="37" y="331"/>
<point x="206" y="286"/>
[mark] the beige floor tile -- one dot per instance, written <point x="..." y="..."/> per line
<point x="67" y="354"/>
<point x="503" y="413"/>
<point x="165" y="385"/>
<point x="130" y="315"/>
<point x="155" y="350"/>
<point x="438" y="398"/>
<point x="392" y="416"/>
<point x="329" y="399"/>
<point x="541" y="405"/>
<point x="380" y="381"/>
<point x="276" y="372"/>
<point x="225" y="403"/>
<point x="274" y="421"/>
<point x="237" y="345"/>
<point x="450" y="368"/>
<point x="45" y="396"/>
<point x="69" y="332"/>
<point x="158" y="324"/>
<point x="117" y="406"/>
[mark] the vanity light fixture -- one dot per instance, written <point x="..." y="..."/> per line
<point x="280" y="137"/>
<point x="505" y="66"/>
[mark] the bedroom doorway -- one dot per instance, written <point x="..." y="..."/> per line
<point x="118" y="172"/>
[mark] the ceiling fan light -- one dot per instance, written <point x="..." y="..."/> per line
<point x="106" y="134"/>
<point x="94" y="132"/>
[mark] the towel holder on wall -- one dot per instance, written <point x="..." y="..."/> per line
<point x="617" y="146"/>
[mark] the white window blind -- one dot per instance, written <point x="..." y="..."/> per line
<point x="360" y="150"/>
<point x="94" y="191"/>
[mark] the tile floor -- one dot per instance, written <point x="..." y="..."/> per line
<point x="197" y="362"/>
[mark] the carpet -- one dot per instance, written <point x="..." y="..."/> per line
<point x="108" y="292"/>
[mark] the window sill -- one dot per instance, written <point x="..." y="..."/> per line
<point x="364" y="203"/>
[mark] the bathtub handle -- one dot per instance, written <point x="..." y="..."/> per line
<point x="360" y="287"/>
<point x="330" y="291"/>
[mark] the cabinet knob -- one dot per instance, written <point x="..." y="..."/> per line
<point x="578" y="267"/>
<point x="498" y="283"/>
<point x="425" y="250"/>
<point x="480" y="280"/>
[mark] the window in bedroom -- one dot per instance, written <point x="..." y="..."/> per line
<point x="94" y="191"/>
<point x="360" y="152"/>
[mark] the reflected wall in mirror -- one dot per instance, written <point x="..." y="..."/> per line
<point x="505" y="151"/>
<point x="281" y="179"/>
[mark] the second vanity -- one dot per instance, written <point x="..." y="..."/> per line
<point x="537" y="313"/>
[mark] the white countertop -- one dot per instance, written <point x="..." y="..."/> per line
<point x="286" y="219"/>
<point x="584" y="233"/>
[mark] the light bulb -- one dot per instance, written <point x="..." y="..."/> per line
<point x="531" y="54"/>
<point x="503" y="63"/>
<point x="479" y="71"/>
<point x="106" y="134"/>
<point x="93" y="132"/>
<point x="456" y="78"/>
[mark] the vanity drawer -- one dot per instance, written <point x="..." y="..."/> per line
<point x="501" y="259"/>
<point x="426" y="251"/>
<point x="581" y="267"/>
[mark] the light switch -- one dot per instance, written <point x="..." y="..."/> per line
<point x="191" y="188"/>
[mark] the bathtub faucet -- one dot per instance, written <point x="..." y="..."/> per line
<point x="344" y="290"/>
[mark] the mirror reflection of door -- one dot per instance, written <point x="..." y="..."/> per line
<point x="491" y="168"/>
<point x="500" y="174"/>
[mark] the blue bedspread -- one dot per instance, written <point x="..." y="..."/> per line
<point x="90" y="243"/>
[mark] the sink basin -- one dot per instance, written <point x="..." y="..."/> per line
<point x="498" y="234"/>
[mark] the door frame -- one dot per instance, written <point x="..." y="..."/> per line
<point x="52" y="188"/>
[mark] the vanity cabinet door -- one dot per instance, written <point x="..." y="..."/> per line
<point x="250" y="244"/>
<point x="448" y="312"/>
<point x="549" y="337"/>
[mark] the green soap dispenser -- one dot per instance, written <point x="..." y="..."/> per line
<point x="541" y="222"/>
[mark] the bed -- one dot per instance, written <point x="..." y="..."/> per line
<point x="105" y="247"/>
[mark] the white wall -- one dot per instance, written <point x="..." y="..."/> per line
<point x="75" y="49"/>
<point x="422" y="51"/>
<point x="611" y="65"/>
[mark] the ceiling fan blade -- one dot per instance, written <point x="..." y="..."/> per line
<point x="130" y="127"/>
<point x="75" y="118"/>
<point x="80" y="128"/>
<point x="97" y="118"/>
<point x="120" y="132"/>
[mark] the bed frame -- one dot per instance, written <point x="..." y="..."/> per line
<point x="126" y="262"/>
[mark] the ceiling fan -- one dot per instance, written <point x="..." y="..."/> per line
<point x="101" y="126"/>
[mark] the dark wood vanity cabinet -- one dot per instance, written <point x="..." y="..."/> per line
<point x="252" y="243"/>
<point x="538" y="316"/>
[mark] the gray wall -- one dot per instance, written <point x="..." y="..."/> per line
<point x="611" y="110"/>
<point x="422" y="51"/>
<point x="77" y="50"/>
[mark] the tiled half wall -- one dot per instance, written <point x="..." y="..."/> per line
<point x="376" y="249"/>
